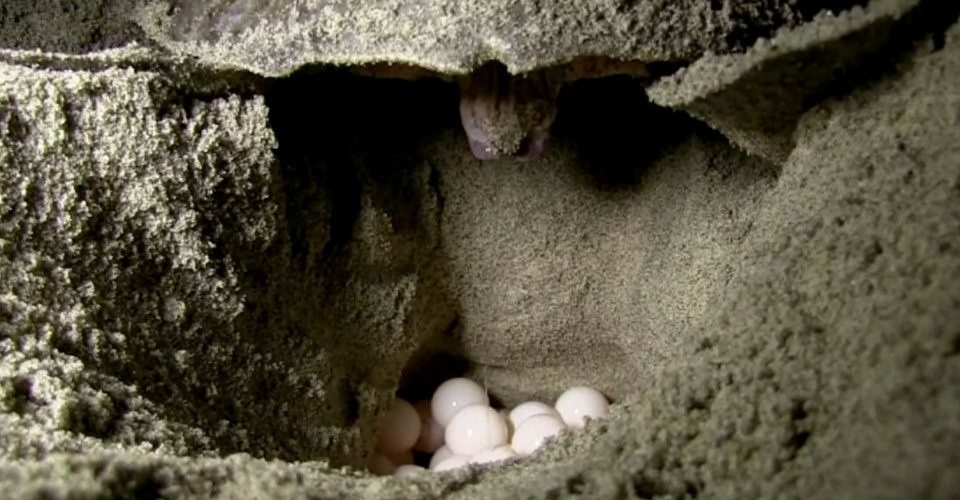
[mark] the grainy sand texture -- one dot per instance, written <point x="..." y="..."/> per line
<point x="223" y="254"/>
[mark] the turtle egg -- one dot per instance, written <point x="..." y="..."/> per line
<point x="402" y="458"/>
<point x="495" y="455"/>
<point x="440" y="455"/>
<point x="431" y="432"/>
<point x="535" y="431"/>
<point x="408" y="470"/>
<point x="474" y="429"/>
<point x="380" y="465"/>
<point x="399" y="428"/>
<point x="578" y="403"/>
<point x="453" y="462"/>
<point x="526" y="410"/>
<point x="454" y="395"/>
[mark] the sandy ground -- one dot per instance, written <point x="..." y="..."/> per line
<point x="212" y="282"/>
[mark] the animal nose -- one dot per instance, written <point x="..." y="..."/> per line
<point x="531" y="147"/>
<point x="483" y="150"/>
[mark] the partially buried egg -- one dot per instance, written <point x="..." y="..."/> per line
<point x="579" y="403"/>
<point x="408" y="470"/>
<point x="399" y="428"/>
<point x="526" y="410"/>
<point x="534" y="432"/>
<point x="458" y="426"/>
<point x="440" y="455"/>
<point x="497" y="454"/>
<point x="380" y="465"/>
<point x="431" y="432"/>
<point x="453" y="462"/>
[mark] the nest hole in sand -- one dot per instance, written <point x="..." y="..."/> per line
<point x="380" y="139"/>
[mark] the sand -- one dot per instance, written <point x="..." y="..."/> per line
<point x="213" y="281"/>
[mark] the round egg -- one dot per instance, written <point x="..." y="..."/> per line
<point x="495" y="455"/>
<point x="380" y="465"/>
<point x="453" y="462"/>
<point x="431" y="432"/>
<point x="454" y="395"/>
<point x="399" y="428"/>
<point x="579" y="403"/>
<point x="474" y="429"/>
<point x="402" y="458"/>
<point x="534" y="432"/>
<point x="408" y="470"/>
<point x="526" y="410"/>
<point x="440" y="455"/>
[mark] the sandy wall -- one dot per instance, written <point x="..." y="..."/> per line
<point x="211" y="283"/>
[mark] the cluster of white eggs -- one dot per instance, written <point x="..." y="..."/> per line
<point x="459" y="427"/>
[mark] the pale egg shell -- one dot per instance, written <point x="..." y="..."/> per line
<point x="440" y="455"/>
<point x="579" y="403"/>
<point x="454" y="395"/>
<point x="495" y="455"/>
<point x="534" y="432"/>
<point x="408" y="470"/>
<point x="474" y="429"/>
<point x="526" y="410"/>
<point x="454" y="462"/>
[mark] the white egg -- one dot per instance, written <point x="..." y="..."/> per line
<point x="526" y="410"/>
<point x="578" y="403"/>
<point x="380" y="465"/>
<point x="495" y="455"/>
<point x="454" y="395"/>
<point x="474" y="429"/>
<point x="534" y="432"/>
<point x="431" y="432"/>
<point x="408" y="470"/>
<point x="440" y="455"/>
<point x="454" y="462"/>
<point x="399" y="428"/>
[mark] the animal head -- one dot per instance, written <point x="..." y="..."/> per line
<point x="507" y="115"/>
<point x="510" y="115"/>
